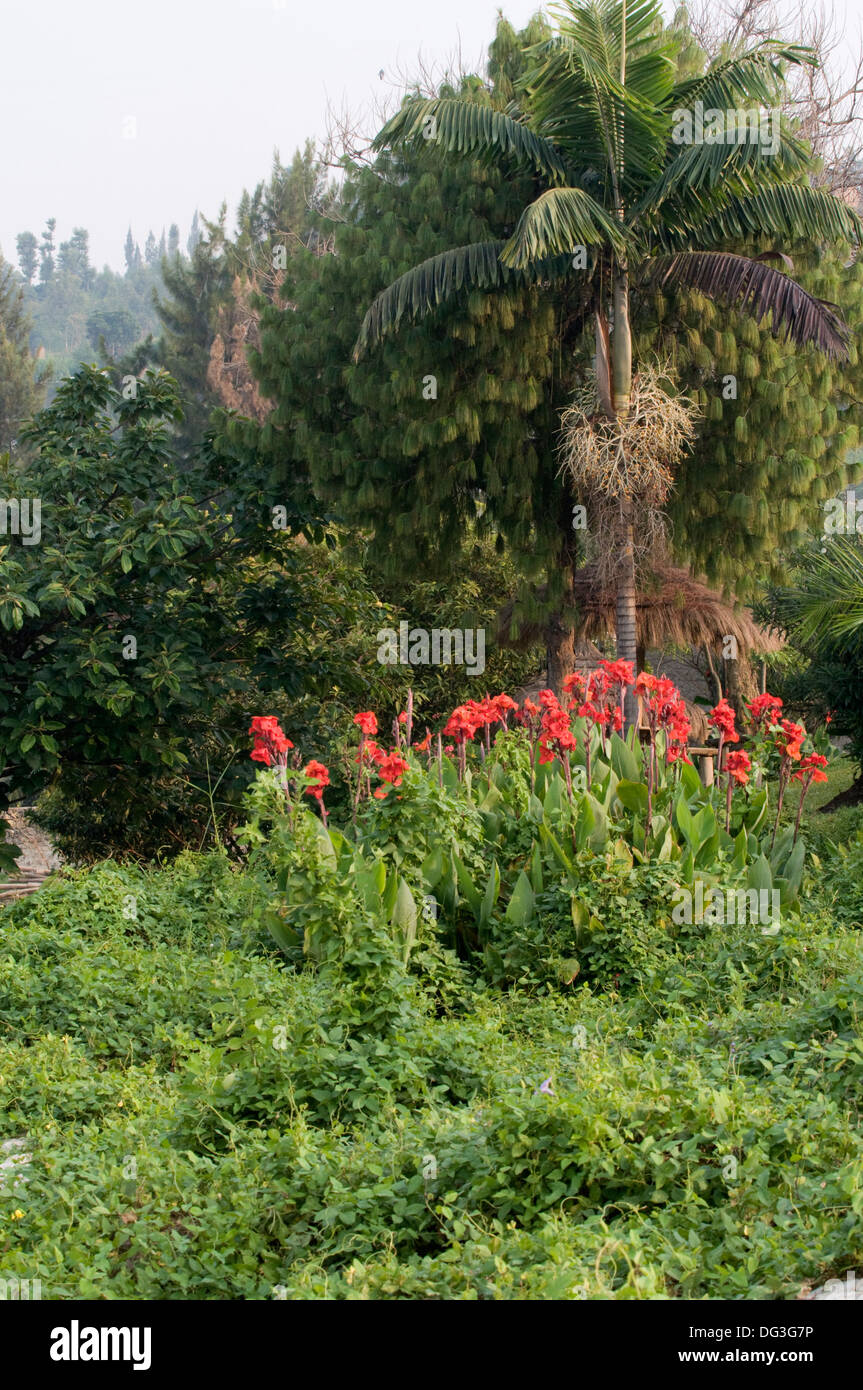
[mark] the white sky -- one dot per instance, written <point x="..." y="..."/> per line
<point x="213" y="86"/>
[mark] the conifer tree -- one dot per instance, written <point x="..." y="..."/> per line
<point x="28" y="255"/>
<point x="46" y="252"/>
<point x="20" y="391"/>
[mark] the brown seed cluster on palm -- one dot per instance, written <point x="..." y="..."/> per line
<point x="633" y="456"/>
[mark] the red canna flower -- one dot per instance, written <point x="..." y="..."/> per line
<point x="270" y="742"/>
<point x="790" y="740"/>
<point x="322" y="776"/>
<point x="722" y="718"/>
<point x="391" y="768"/>
<point x="764" y="711"/>
<point x="810" y="769"/>
<point x="738" y="766"/>
<point x="366" y="722"/>
<point x="618" y="672"/>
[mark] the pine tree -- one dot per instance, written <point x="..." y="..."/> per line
<point x="460" y="409"/>
<point x="173" y="240"/>
<point x="129" y="251"/>
<point x="195" y="234"/>
<point x="28" y="255"/>
<point x="20" y="391"/>
<point x="163" y="246"/>
<point x="151" y="253"/>
<point x="46" y="252"/>
<point x="187" y="309"/>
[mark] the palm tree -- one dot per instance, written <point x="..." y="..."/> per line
<point x="824" y="609"/>
<point x="598" y="121"/>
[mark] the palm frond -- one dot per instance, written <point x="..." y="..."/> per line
<point x="577" y="98"/>
<point x="753" y="77"/>
<point x="757" y="289"/>
<point x="469" y="127"/>
<point x="782" y="210"/>
<point x="441" y="278"/>
<point x="826" y="606"/>
<point x="555" y="223"/>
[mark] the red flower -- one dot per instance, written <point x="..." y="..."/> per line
<point x="810" y="769"/>
<point x="270" y="742"/>
<point x="722" y="718"/>
<point x="403" y="717"/>
<point x="738" y="766"/>
<point x="790" y="740"/>
<point x="322" y="776"/>
<point x="371" y="752"/>
<point x="424" y="746"/>
<point x="503" y="705"/>
<point x="618" y="672"/>
<point x="530" y="708"/>
<point x="392" y="768"/>
<point x="764" y="710"/>
<point x="574" y="684"/>
<point x="366" y="722"/>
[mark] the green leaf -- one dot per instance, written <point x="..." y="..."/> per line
<point x="404" y="918"/>
<point x="490" y="896"/>
<point x="469" y="891"/>
<point x="521" y="908"/>
<point x="632" y="795"/>
<point x="624" y="760"/>
<point x="759" y="875"/>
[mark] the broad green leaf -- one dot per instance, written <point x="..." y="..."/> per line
<point x="624" y="760"/>
<point x="521" y="908"/>
<point x="468" y="889"/>
<point x="490" y="896"/>
<point x="632" y="795"/>
<point x="759" y="875"/>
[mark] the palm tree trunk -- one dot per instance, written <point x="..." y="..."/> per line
<point x="627" y="637"/>
<point x="621" y="357"/>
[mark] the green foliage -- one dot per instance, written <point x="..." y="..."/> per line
<point x="204" y="1123"/>
<point x="21" y="389"/>
<point x="129" y="627"/>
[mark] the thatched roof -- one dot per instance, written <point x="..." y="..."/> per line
<point x="674" y="610"/>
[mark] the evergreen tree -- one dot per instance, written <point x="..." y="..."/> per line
<point x="20" y="390"/>
<point x="151" y="253"/>
<point x="28" y="255"/>
<point x="194" y="289"/>
<point x="129" y="251"/>
<point x="46" y="252"/>
<point x="195" y="234"/>
<point x="74" y="257"/>
<point x="173" y="240"/>
<point x="163" y="246"/>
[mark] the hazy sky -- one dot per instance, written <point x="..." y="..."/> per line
<point x="116" y="113"/>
